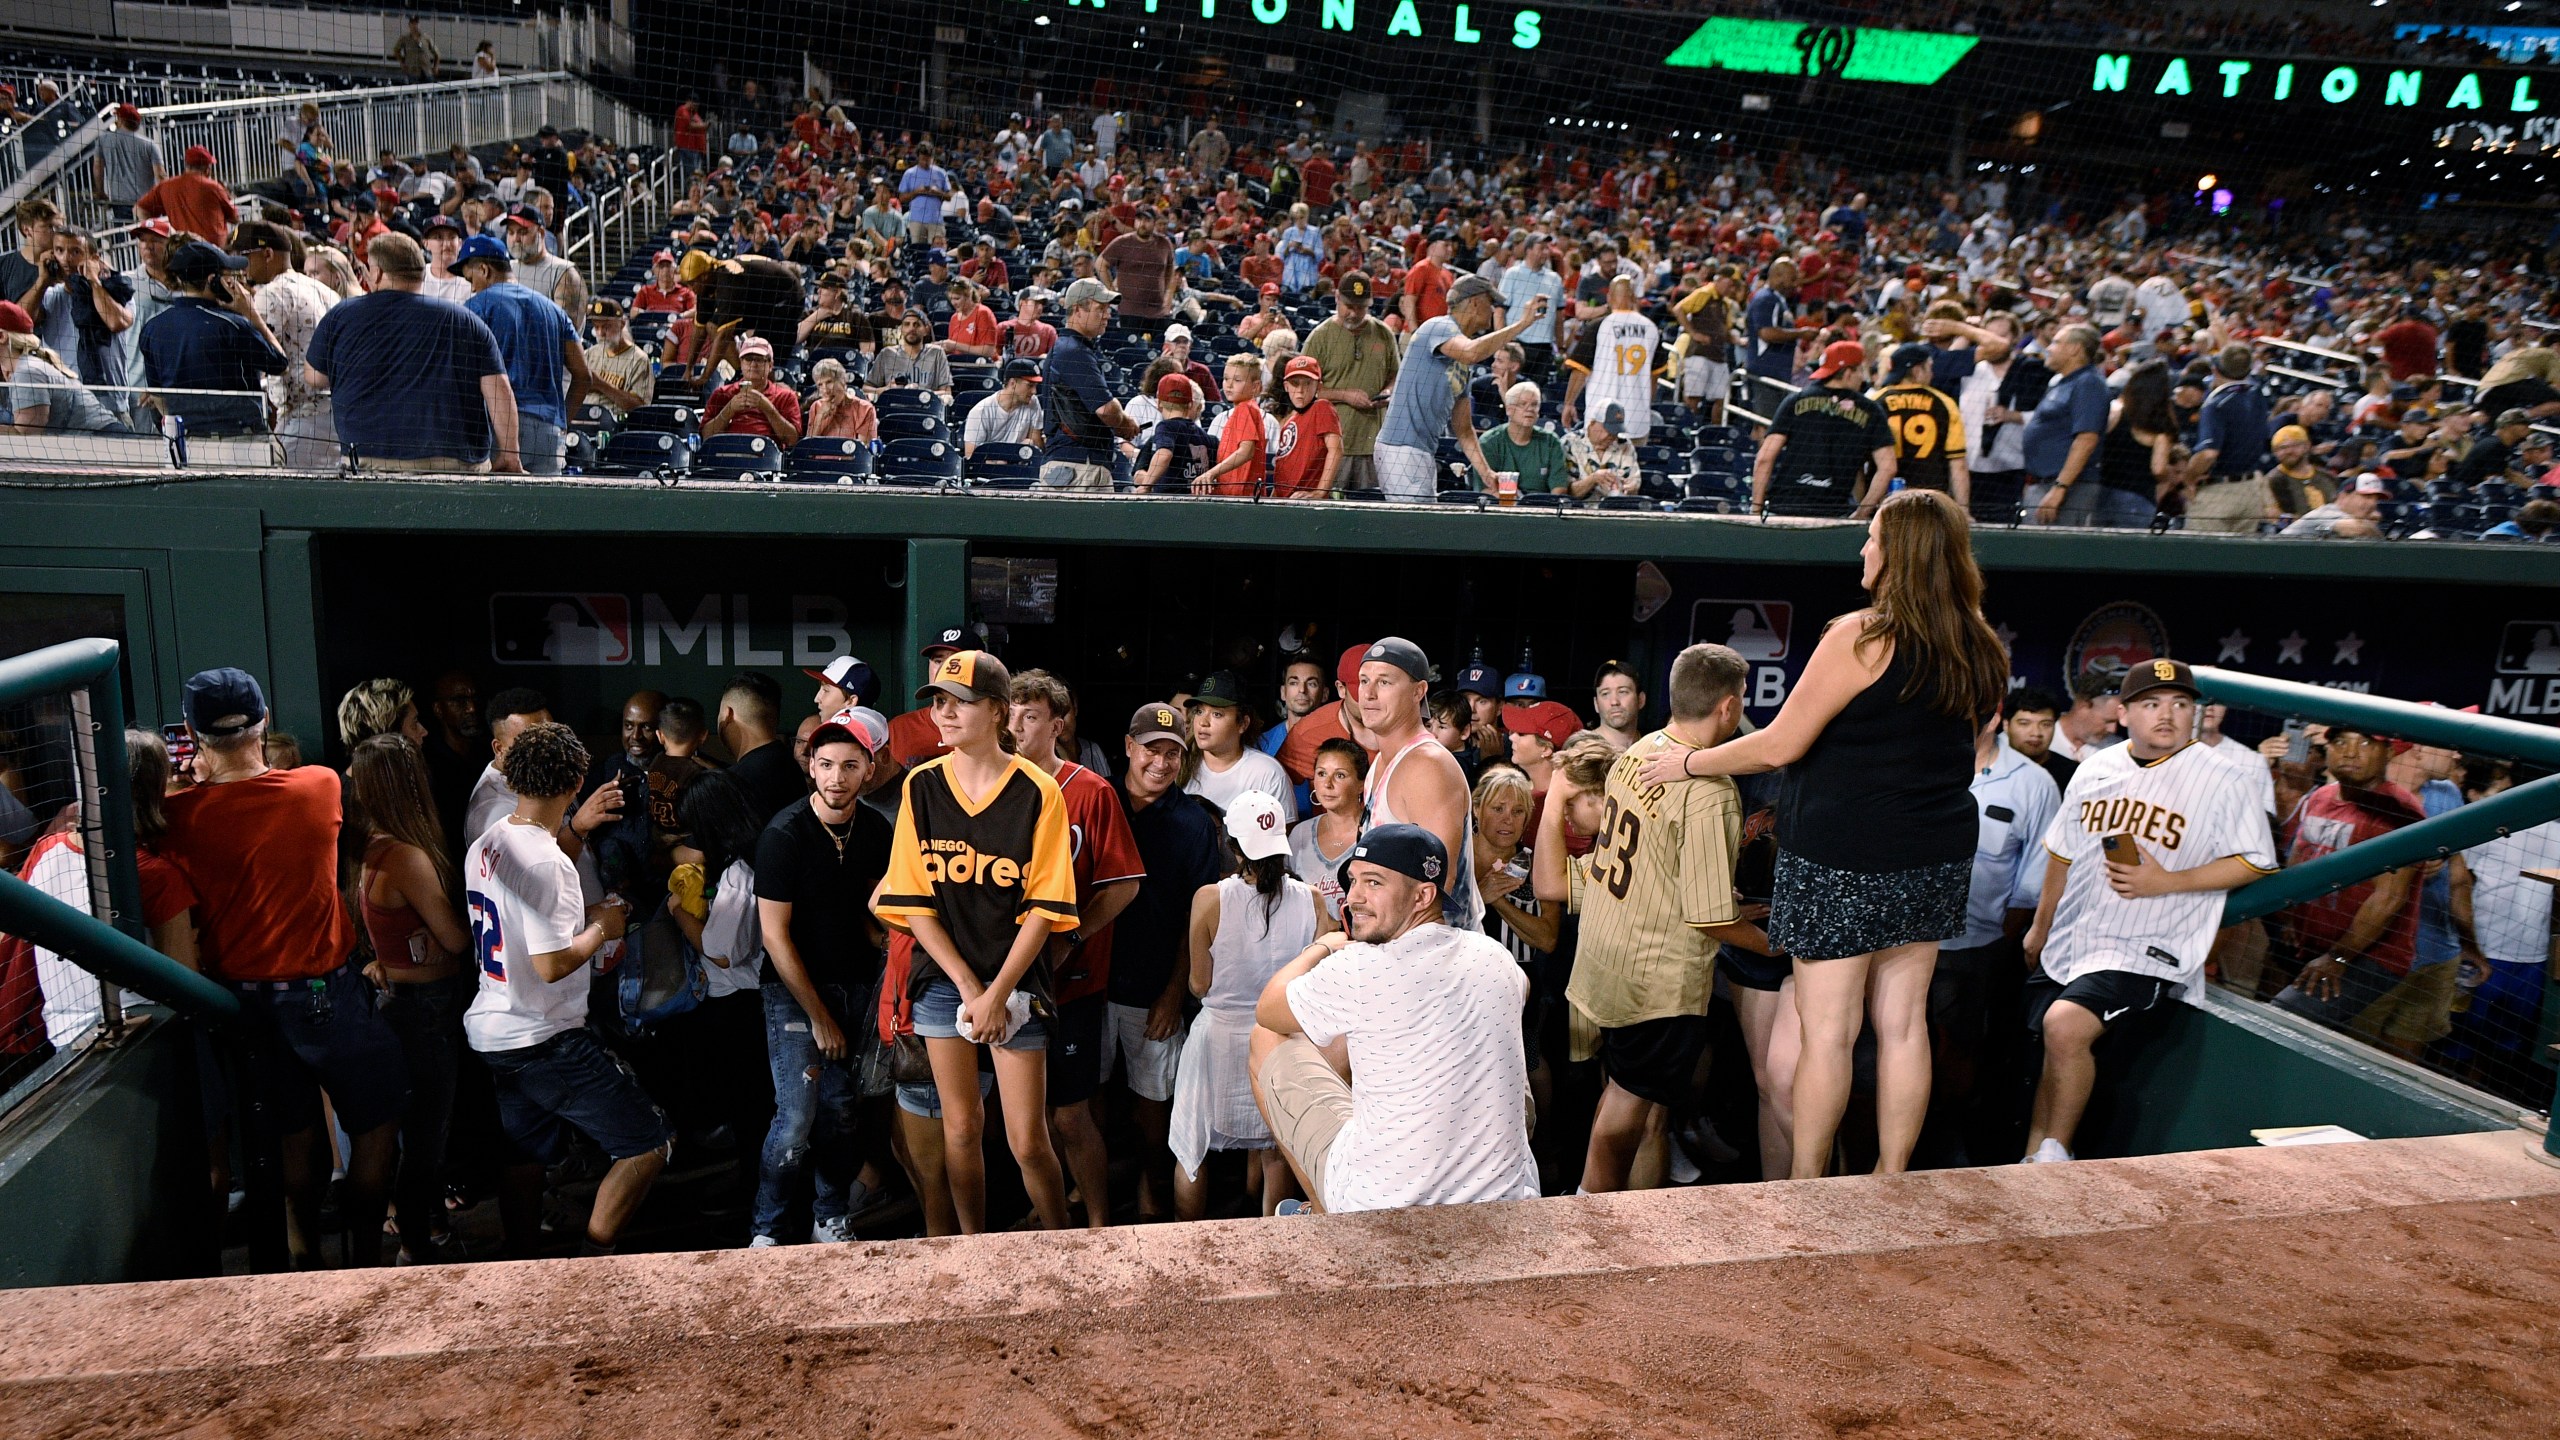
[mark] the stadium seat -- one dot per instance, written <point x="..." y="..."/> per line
<point x="908" y="400"/>
<point x="670" y="419"/>
<point x="912" y="425"/>
<point x="738" y="457"/>
<point x="1629" y="502"/>
<point x="997" y="464"/>
<point x="915" y="461"/>
<point x="644" y="452"/>
<point x="592" y="417"/>
<point x="1472" y="499"/>
<point x="830" y="460"/>
<point x="1705" y="505"/>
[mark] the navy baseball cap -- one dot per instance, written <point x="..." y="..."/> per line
<point x="954" y="638"/>
<point x="197" y="263"/>
<point x="1406" y="849"/>
<point x="1020" y="368"/>
<point x="854" y="677"/>
<point x="1479" y="679"/>
<point x="1401" y="653"/>
<point x="1912" y="353"/>
<point x="482" y="247"/>
<point x="1525" y="686"/>
<point x="223" y="702"/>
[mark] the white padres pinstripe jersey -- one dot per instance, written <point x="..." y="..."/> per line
<point x="1622" y="349"/>
<point x="2191" y="807"/>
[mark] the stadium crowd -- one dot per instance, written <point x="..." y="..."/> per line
<point x="1374" y="930"/>
<point x="1171" y="309"/>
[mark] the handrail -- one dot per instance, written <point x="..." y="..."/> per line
<point x="2309" y="349"/>
<point x="109" y="953"/>
<point x="368" y="92"/>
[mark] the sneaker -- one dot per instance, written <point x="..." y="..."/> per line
<point x="1294" y="1207"/>
<point x="834" y="1230"/>
<point x="763" y="1242"/>
<point x="1700" y="1137"/>
<point x="1678" y="1168"/>
<point x="2051" y="1152"/>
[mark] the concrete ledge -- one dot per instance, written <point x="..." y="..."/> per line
<point x="246" y="1324"/>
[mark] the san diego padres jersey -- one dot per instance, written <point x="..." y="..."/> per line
<point x="1621" y="365"/>
<point x="1660" y="868"/>
<point x="2188" y="808"/>
<point x="1927" y="433"/>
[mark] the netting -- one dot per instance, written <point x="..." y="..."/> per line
<point x="51" y="837"/>
<point x="2345" y="199"/>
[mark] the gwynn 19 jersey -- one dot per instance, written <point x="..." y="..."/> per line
<point x="2188" y="808"/>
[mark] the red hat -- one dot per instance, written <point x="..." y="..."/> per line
<point x="667" y="257"/>
<point x="1179" y="389"/>
<point x="1306" y="365"/>
<point x="14" y="319"/>
<point x="1347" y="669"/>
<point x="157" y="225"/>
<point x="1840" y="355"/>
<point x="129" y="114"/>
<point x="1548" y="718"/>
<point x="1270" y="287"/>
<point x="198" y="155"/>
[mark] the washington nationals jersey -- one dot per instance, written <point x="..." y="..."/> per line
<point x="1620" y="362"/>
<point x="522" y="894"/>
<point x="2185" y="809"/>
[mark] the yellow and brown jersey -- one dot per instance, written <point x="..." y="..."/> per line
<point x="981" y="864"/>
<point x="1927" y="433"/>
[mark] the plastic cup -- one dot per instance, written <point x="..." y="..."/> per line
<point x="1506" y="486"/>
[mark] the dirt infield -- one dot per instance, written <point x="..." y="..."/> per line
<point x="2409" y="1288"/>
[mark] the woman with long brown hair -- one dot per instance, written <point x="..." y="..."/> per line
<point x="1876" y="823"/>
<point x="404" y="894"/>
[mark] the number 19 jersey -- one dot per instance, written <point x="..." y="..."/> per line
<point x="1620" y="363"/>
<point x="1661" y="867"/>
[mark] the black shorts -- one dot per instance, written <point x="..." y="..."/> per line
<point x="1075" y="1050"/>
<point x="1754" y="972"/>
<point x="2119" y="998"/>
<point x="2518" y="394"/>
<point x="571" y="1082"/>
<point x="1656" y="1060"/>
<point x="1960" y="988"/>
<point x="290" y="1045"/>
<point x="1812" y="495"/>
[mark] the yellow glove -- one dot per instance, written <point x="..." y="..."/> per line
<point x="684" y="890"/>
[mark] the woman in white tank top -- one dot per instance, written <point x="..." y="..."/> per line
<point x="1243" y="929"/>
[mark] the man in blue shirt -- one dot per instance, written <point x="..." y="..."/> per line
<point x="417" y="382"/>
<point x="2232" y="436"/>
<point x="210" y="338"/>
<point x="2062" y="442"/>
<point x="544" y="361"/>
<point x="1534" y="276"/>
<point x="924" y="187"/>
<point x="1430" y="395"/>
<point x="1081" y="417"/>
<point x="1771" y="334"/>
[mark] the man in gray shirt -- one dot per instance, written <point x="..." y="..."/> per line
<point x="128" y="165"/>
<point x="540" y="271"/>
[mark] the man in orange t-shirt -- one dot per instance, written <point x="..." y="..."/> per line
<point x="192" y="200"/>
<point x="1426" y="285"/>
<point x="260" y="848"/>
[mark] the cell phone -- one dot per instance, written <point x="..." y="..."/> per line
<point x="2121" y="849"/>
<point x="182" y="749"/>
<point x="2297" y="742"/>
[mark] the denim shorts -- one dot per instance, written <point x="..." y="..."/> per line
<point x="571" y="1081"/>
<point x="937" y="1014"/>
<point x="924" y="1101"/>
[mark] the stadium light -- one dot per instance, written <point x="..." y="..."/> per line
<point x="1039" y="19"/>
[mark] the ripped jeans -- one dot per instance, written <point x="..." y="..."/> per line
<point x="814" y="1101"/>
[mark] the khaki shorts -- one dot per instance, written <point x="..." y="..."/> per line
<point x="1309" y="1103"/>
<point x="1067" y="475"/>
<point x="2233" y="507"/>
<point x="2415" y="1011"/>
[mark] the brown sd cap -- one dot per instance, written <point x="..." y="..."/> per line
<point x="2160" y="674"/>
<point x="970" y="675"/>
<point x="1157" y="720"/>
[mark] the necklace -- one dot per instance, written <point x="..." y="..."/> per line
<point x="838" y="836"/>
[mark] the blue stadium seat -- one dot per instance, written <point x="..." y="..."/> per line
<point x="917" y="462"/>
<point x="670" y="418"/>
<point x="1000" y="464"/>
<point x="1472" y="499"/>
<point x="644" y="452"/>
<point x="593" y="416"/>
<point x="738" y="457"/>
<point x="912" y="425"/>
<point x="830" y="460"/>
<point x="908" y="400"/>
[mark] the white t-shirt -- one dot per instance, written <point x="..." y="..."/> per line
<point x="522" y="893"/>
<point x="1440" y="1086"/>
<point x="1622" y="346"/>
<point x="2510" y="914"/>
<point x="2163" y="305"/>
<point x="1253" y="770"/>
<point x="734" y="932"/>
<point x="2185" y="809"/>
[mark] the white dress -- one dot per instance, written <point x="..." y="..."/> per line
<point x="1213" y="1105"/>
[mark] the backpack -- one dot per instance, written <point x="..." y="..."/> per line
<point x="661" y="975"/>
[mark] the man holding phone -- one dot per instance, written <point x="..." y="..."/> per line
<point x="2151" y="835"/>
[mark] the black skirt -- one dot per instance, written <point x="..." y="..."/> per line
<point x="1819" y="913"/>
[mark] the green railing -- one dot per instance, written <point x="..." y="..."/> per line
<point x="87" y="670"/>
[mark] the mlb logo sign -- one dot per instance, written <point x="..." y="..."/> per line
<point x="554" y="629"/>
<point x="1757" y="630"/>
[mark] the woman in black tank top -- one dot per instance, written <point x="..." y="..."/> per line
<point x="1876" y="821"/>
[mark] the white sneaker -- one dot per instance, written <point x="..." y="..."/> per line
<point x="2050" y="1152"/>
<point x="763" y="1242"/>
<point x="1679" y="1169"/>
<point x="834" y="1230"/>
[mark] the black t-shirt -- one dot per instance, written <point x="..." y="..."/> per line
<point x="829" y="890"/>
<point x="763" y="295"/>
<point x="771" y="778"/>
<point x="1832" y="436"/>
<point x="1180" y="840"/>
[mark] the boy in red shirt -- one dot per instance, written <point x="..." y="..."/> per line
<point x="1309" y="449"/>
<point x="1241" y="467"/>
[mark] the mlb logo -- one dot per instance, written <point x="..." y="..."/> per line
<point x="540" y="629"/>
<point x="1757" y="630"/>
<point x="2530" y="647"/>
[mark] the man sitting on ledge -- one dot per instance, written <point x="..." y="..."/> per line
<point x="1388" y="1060"/>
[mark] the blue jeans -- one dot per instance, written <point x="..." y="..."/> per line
<point x="814" y="1104"/>
<point x="541" y="442"/>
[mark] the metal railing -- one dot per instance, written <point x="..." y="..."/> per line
<point x="246" y="135"/>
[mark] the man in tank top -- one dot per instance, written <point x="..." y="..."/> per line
<point x="1416" y="780"/>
